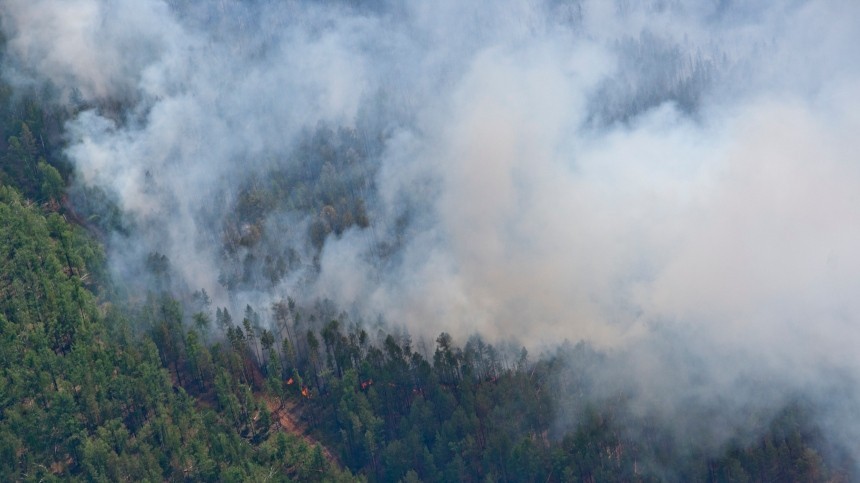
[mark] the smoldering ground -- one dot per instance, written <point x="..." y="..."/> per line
<point x="675" y="183"/>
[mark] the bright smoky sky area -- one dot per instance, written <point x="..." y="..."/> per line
<point x="675" y="180"/>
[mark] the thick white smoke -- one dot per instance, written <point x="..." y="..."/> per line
<point x="603" y="171"/>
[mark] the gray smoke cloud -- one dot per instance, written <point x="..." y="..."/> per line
<point x="675" y="182"/>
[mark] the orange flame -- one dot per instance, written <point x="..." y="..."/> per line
<point x="290" y="381"/>
<point x="305" y="392"/>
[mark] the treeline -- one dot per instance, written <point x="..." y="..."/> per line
<point x="393" y="410"/>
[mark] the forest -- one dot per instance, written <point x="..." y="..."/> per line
<point x="248" y="316"/>
<point x="105" y="386"/>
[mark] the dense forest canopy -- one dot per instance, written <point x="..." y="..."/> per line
<point x="480" y="241"/>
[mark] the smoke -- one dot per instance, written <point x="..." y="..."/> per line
<point x="674" y="182"/>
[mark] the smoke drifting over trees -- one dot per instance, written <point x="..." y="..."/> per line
<point x="673" y="182"/>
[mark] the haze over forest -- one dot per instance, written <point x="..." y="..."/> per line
<point x="667" y="190"/>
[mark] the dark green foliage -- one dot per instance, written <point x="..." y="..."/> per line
<point x="326" y="179"/>
<point x="484" y="414"/>
<point x="30" y="158"/>
<point x="81" y="396"/>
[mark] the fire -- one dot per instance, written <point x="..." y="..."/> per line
<point x="367" y="383"/>
<point x="290" y="381"/>
<point x="305" y="392"/>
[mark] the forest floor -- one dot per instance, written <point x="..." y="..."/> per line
<point x="286" y="415"/>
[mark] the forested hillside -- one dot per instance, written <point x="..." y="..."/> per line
<point x="537" y="241"/>
<point x="83" y="389"/>
<point x="96" y="388"/>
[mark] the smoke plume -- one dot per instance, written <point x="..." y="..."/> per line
<point x="674" y="182"/>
